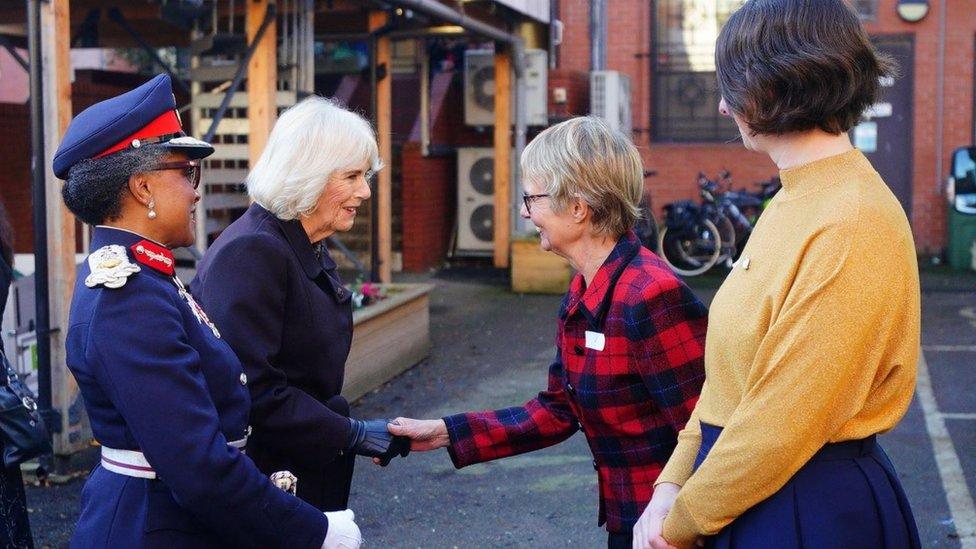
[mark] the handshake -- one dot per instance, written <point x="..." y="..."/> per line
<point x="372" y="439"/>
<point x="383" y="439"/>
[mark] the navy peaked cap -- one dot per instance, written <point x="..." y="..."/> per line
<point x="144" y="116"/>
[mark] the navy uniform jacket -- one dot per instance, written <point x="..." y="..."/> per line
<point x="156" y="379"/>
<point x="286" y="314"/>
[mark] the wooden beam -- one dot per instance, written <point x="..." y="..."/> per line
<point x="383" y="200"/>
<point x="503" y="155"/>
<point x="262" y="78"/>
<point x="56" y="75"/>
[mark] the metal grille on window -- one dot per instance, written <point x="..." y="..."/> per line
<point x="685" y="87"/>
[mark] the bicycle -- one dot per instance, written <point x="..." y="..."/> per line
<point x="695" y="237"/>
<point x="646" y="226"/>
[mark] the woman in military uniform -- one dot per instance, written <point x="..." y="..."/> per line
<point x="166" y="396"/>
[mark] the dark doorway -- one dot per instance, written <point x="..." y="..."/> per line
<point x="885" y="136"/>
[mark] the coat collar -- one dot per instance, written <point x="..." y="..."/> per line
<point x="592" y="300"/>
<point x="304" y="250"/>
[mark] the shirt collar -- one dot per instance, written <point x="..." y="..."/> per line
<point x="590" y="300"/>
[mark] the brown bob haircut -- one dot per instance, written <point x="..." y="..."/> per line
<point x="789" y="66"/>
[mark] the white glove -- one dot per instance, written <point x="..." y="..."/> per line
<point x="343" y="532"/>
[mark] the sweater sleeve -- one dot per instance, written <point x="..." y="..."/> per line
<point x="682" y="460"/>
<point x="813" y="371"/>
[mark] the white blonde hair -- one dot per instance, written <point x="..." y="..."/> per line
<point x="310" y="141"/>
<point x="585" y="158"/>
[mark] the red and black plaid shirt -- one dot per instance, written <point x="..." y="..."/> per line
<point x="630" y="398"/>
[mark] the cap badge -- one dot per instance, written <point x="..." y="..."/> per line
<point x="109" y="267"/>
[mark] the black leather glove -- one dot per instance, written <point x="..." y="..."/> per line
<point x="370" y="438"/>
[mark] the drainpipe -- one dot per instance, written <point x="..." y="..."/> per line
<point x="42" y="323"/>
<point x="439" y="11"/>
<point x="598" y="35"/>
<point x="940" y="97"/>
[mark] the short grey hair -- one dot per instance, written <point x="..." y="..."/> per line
<point x="584" y="157"/>
<point x="310" y="141"/>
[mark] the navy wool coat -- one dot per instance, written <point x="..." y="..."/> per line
<point x="286" y="314"/>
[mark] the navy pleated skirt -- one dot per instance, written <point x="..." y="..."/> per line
<point x="847" y="495"/>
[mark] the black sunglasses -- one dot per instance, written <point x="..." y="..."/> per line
<point x="191" y="170"/>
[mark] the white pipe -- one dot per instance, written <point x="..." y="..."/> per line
<point x="424" y="97"/>
<point x="940" y="96"/>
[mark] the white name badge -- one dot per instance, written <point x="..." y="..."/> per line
<point x="595" y="340"/>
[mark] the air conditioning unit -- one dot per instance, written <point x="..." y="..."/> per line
<point x="479" y="88"/>
<point x="610" y="99"/>
<point x="476" y="210"/>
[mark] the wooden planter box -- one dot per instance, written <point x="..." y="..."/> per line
<point x="535" y="271"/>
<point x="389" y="337"/>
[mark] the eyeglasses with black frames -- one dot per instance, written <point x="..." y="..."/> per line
<point x="528" y="199"/>
<point x="191" y="170"/>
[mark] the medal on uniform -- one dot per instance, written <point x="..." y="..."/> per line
<point x="198" y="312"/>
<point x="110" y="267"/>
<point x="160" y="258"/>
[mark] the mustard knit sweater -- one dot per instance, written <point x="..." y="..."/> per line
<point x="812" y="338"/>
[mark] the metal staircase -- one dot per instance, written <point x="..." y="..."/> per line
<point x="217" y="53"/>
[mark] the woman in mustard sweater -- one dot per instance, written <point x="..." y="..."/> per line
<point x="813" y="338"/>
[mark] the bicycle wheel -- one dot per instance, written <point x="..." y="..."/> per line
<point x="692" y="252"/>
<point x="726" y="231"/>
<point x="647" y="230"/>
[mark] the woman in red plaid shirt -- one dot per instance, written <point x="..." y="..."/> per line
<point x="630" y="338"/>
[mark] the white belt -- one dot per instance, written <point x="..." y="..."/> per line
<point x="133" y="463"/>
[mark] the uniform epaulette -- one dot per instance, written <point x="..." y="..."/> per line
<point x="110" y="267"/>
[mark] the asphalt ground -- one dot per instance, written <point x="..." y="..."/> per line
<point x="491" y="348"/>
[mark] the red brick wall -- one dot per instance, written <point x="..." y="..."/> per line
<point x="15" y="189"/>
<point x="429" y="207"/>
<point x="89" y="87"/>
<point x="574" y="53"/>
<point x="929" y="164"/>
<point x="677" y="167"/>
<point x="629" y="46"/>
<point x="577" y="86"/>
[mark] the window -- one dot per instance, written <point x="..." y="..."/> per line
<point x="685" y="87"/>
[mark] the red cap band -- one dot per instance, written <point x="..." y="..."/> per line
<point x="166" y="123"/>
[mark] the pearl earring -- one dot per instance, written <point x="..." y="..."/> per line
<point x="152" y="211"/>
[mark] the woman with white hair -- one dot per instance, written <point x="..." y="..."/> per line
<point x="630" y="336"/>
<point x="270" y="285"/>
